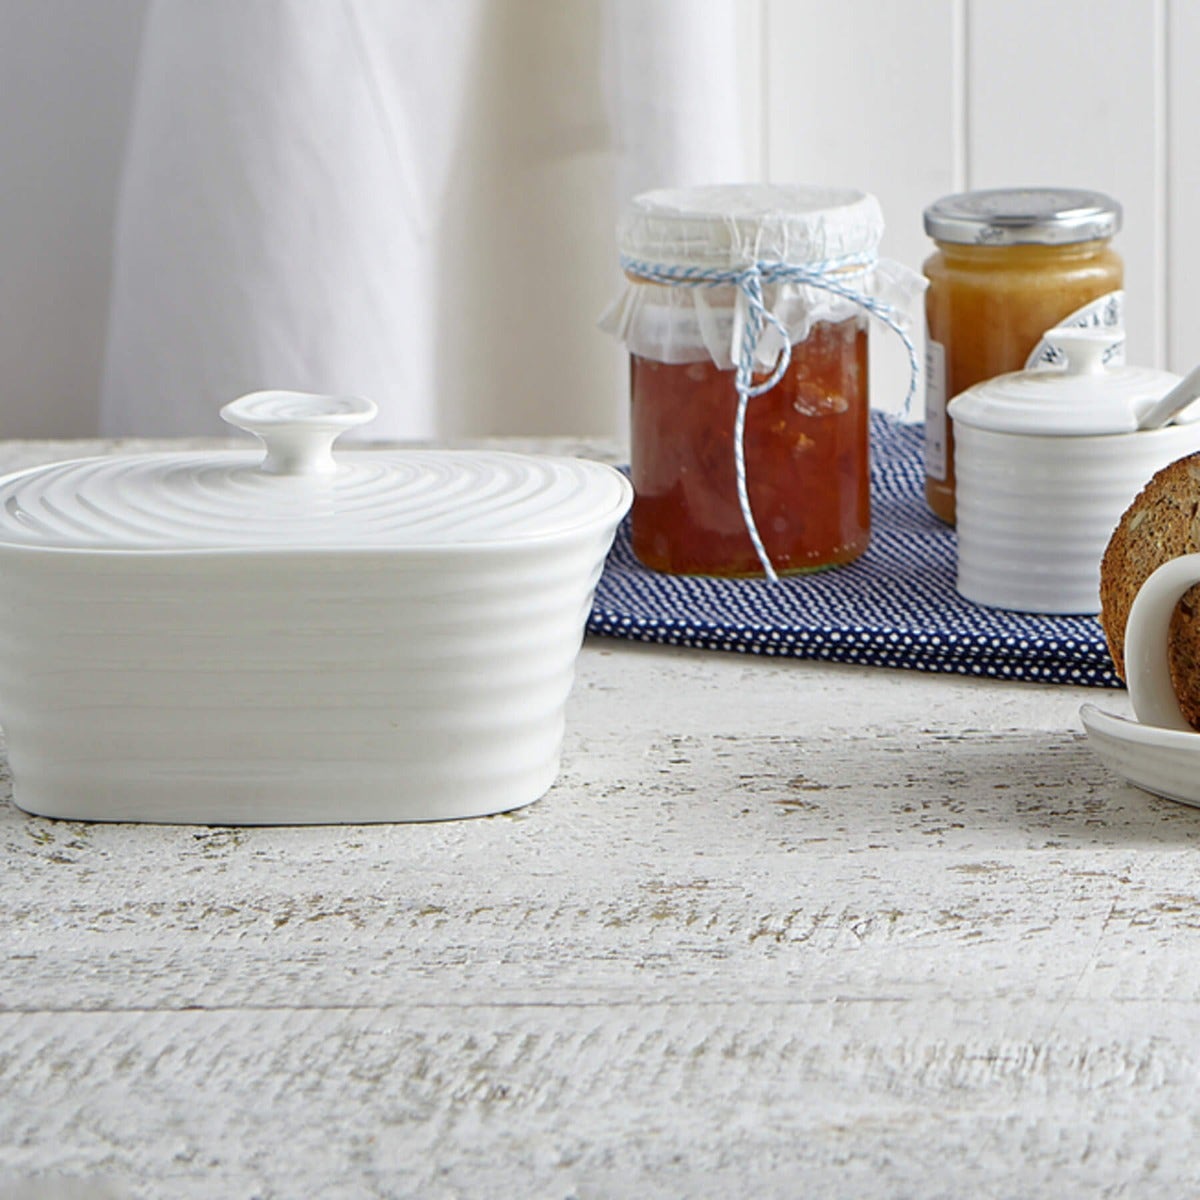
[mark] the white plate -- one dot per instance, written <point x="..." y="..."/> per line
<point x="1163" y="761"/>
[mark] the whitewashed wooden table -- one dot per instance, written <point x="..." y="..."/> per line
<point x="780" y="929"/>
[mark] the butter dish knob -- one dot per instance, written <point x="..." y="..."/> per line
<point x="298" y="428"/>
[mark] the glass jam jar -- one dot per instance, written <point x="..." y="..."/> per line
<point x="806" y="440"/>
<point x="1010" y="264"/>
<point x="806" y="453"/>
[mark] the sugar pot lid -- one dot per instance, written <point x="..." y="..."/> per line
<point x="1085" y="397"/>
<point x="299" y="496"/>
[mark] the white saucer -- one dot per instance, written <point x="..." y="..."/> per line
<point x="1163" y="761"/>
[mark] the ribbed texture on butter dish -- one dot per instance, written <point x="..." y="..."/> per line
<point x="373" y="499"/>
<point x="269" y="677"/>
<point x="401" y="688"/>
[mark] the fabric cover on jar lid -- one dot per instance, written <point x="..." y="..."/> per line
<point x="726" y="227"/>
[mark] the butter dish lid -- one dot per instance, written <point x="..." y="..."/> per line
<point x="300" y="496"/>
<point x="1085" y="397"/>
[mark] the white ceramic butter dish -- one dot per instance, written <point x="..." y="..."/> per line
<point x="1047" y="461"/>
<point x="297" y="637"/>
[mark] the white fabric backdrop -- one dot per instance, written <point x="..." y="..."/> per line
<point x="408" y="200"/>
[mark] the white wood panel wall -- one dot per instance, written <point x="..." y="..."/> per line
<point x="1181" y="235"/>
<point x="917" y="99"/>
<point x="910" y="99"/>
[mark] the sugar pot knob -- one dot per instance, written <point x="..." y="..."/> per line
<point x="1086" y="350"/>
<point x="298" y="428"/>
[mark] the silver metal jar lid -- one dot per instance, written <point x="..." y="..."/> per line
<point x="1016" y="216"/>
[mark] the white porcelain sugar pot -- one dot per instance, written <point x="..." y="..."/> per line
<point x="1047" y="462"/>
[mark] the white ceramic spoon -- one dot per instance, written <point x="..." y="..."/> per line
<point x="1163" y="411"/>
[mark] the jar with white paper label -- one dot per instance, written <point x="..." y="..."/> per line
<point x="1010" y="264"/>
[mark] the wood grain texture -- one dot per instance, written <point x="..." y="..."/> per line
<point x="779" y="929"/>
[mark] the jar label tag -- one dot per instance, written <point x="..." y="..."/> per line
<point x="1105" y="312"/>
<point x="935" y="409"/>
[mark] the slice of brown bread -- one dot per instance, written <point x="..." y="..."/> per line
<point x="1162" y="523"/>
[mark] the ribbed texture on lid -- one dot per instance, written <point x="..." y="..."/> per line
<point x="1053" y="402"/>
<point x="373" y="500"/>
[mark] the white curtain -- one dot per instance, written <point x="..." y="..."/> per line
<point x="407" y="199"/>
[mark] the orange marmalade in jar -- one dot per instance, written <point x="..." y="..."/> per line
<point x="804" y="451"/>
<point x="1010" y="264"/>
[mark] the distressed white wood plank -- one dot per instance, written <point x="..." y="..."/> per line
<point x="867" y="95"/>
<point x="1069" y="94"/>
<point x="780" y="928"/>
<point x="1183" y="259"/>
<point x="788" y="849"/>
<point x="877" y="1099"/>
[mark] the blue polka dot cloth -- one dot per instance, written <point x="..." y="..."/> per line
<point x="895" y="607"/>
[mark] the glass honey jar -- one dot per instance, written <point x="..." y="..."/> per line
<point x="1010" y="264"/>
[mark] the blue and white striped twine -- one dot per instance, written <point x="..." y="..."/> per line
<point x="829" y="276"/>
